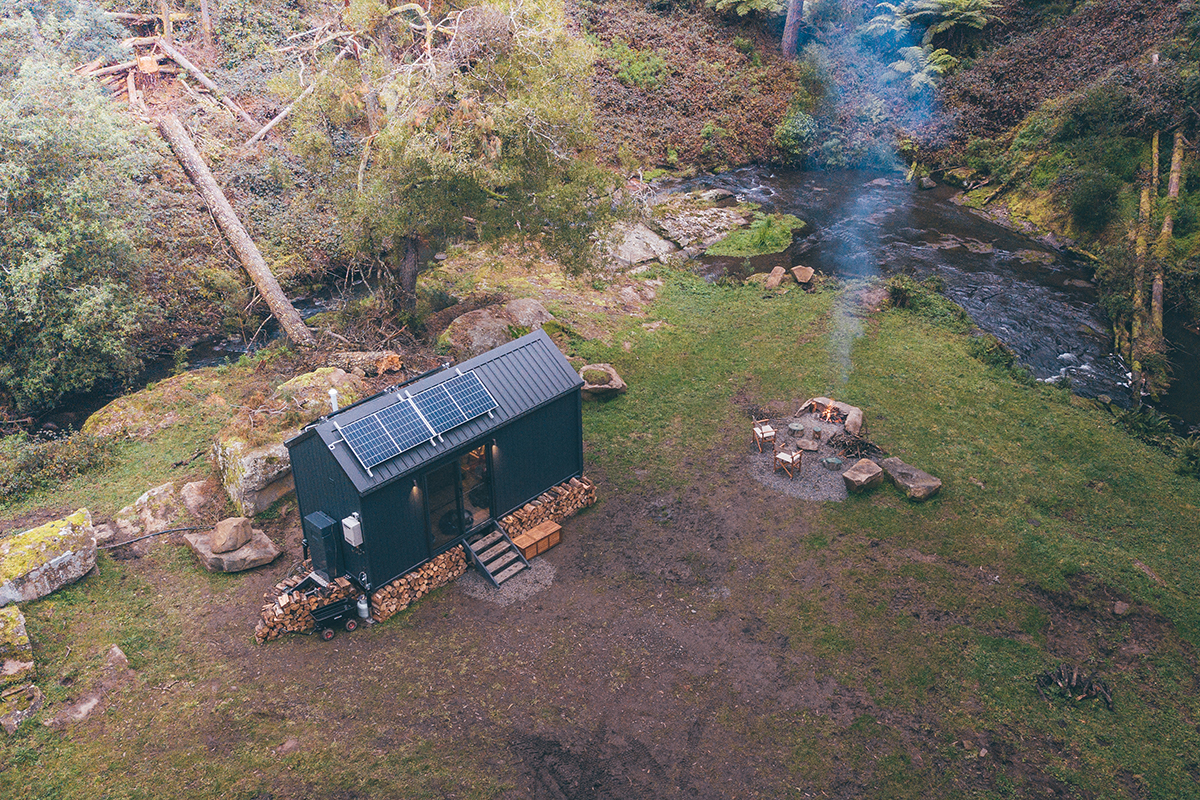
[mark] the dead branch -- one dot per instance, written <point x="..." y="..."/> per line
<point x="185" y="150"/>
<point x="350" y="45"/>
<point x="183" y="61"/>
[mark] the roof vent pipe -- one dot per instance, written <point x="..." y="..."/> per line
<point x="333" y="399"/>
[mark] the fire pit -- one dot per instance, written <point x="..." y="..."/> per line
<point x="818" y="427"/>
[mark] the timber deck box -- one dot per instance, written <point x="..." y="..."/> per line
<point x="390" y="482"/>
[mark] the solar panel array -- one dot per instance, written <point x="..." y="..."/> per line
<point x="404" y="425"/>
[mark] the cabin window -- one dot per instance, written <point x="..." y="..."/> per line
<point x="460" y="497"/>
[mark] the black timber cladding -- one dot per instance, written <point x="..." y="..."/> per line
<point x="522" y="376"/>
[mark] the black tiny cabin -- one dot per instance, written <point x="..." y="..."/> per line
<point x="389" y="482"/>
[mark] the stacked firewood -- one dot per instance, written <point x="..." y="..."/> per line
<point x="289" y="609"/>
<point x="556" y="505"/>
<point x="401" y="593"/>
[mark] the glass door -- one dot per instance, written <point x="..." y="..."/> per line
<point x="460" y="498"/>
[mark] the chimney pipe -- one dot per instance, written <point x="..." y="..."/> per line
<point x="333" y="399"/>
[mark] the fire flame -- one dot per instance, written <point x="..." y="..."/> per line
<point x="829" y="413"/>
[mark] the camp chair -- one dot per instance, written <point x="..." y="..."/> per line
<point x="789" y="460"/>
<point x="763" y="432"/>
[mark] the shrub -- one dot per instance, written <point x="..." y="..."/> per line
<point x="1187" y="457"/>
<point x="744" y="7"/>
<point x="1091" y="198"/>
<point x="794" y="135"/>
<point x="1148" y="424"/>
<point x="644" y="69"/>
<point x="28" y="465"/>
<point x="924" y="299"/>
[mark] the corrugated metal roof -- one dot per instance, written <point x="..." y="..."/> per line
<point x="521" y="376"/>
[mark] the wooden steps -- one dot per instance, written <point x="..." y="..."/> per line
<point x="497" y="557"/>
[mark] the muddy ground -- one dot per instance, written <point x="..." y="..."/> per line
<point x="655" y="665"/>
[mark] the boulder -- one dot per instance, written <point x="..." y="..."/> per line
<point x="705" y="226"/>
<point x="595" y="391"/>
<point x="253" y="477"/>
<point x="258" y="551"/>
<point x="40" y="560"/>
<point x="198" y="496"/>
<point x="16" y="654"/>
<point x="481" y="330"/>
<point x="775" y="278"/>
<point x="802" y="274"/>
<point x="854" y="414"/>
<point x="864" y="475"/>
<point x="928" y="183"/>
<point x="19" y="704"/>
<point x="635" y="244"/>
<point x="309" y="393"/>
<point x="230" y="534"/>
<point x="917" y="484"/>
<point x="154" y="511"/>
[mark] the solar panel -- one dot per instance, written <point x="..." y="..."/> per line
<point x="369" y="441"/>
<point x="470" y="394"/>
<point x="404" y="424"/>
<point x="439" y="410"/>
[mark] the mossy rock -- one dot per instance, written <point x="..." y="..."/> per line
<point x="769" y="233"/>
<point x="38" y="561"/>
<point x="596" y="377"/>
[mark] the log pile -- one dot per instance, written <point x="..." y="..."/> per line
<point x="1075" y="685"/>
<point x="398" y="595"/>
<point x="374" y="362"/>
<point x="555" y="505"/>
<point x="290" y="605"/>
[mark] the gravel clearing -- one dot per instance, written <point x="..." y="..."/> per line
<point x="525" y="583"/>
<point x="814" y="482"/>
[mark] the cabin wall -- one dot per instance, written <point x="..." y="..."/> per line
<point x="537" y="451"/>
<point x="394" y="534"/>
<point x="322" y="486"/>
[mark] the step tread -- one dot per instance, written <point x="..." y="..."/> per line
<point x="486" y="541"/>
<point x="508" y="573"/>
<point x="495" y="565"/>
<point x="492" y="552"/>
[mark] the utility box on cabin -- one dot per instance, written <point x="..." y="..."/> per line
<point x="321" y="534"/>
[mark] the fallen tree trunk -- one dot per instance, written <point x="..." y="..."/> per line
<point x="1162" y="248"/>
<point x="181" y="143"/>
<point x="183" y="61"/>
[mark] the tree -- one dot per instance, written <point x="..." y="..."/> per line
<point x="791" y="27"/>
<point x="470" y="125"/>
<point x="68" y="160"/>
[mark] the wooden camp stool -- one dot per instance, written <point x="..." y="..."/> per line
<point x="539" y="539"/>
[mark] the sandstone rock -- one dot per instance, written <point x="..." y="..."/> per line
<point x="230" y="534"/>
<point x="154" y="511"/>
<point x="478" y="331"/>
<point x="19" y="704"/>
<point x="40" y="560"/>
<point x="113" y="674"/>
<point x="289" y="747"/>
<point x="917" y="484"/>
<point x="775" y="278"/>
<point x="198" y="496"/>
<point x="635" y="244"/>
<point x="802" y="274"/>
<point x="715" y="195"/>
<point x="16" y="654"/>
<point x="309" y="393"/>
<point x="864" y="475"/>
<point x="854" y="414"/>
<point x="526" y="312"/>
<point x="1120" y="608"/>
<point x="704" y="225"/>
<point x="258" y="551"/>
<point x="928" y="183"/>
<point x="253" y="477"/>
<point x="595" y="391"/>
<point x="629" y="295"/>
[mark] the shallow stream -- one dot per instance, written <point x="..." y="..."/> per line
<point x="1035" y="298"/>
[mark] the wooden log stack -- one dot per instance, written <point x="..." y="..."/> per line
<point x="555" y="505"/>
<point x="289" y="609"/>
<point x="398" y="595"/>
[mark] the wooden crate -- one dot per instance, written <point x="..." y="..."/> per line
<point x="527" y="545"/>
<point x="549" y="540"/>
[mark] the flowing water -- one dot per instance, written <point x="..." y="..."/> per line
<point x="1036" y="299"/>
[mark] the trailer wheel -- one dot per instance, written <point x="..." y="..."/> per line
<point x="351" y="624"/>
<point x="326" y="634"/>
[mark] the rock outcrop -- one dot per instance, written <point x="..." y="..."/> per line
<point x="309" y="393"/>
<point x="635" y="244"/>
<point x="253" y="477"/>
<point x="16" y="654"/>
<point x="40" y="560"/>
<point x="595" y="390"/>
<point x="481" y="330"/>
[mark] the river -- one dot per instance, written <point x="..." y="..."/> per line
<point x="1036" y="299"/>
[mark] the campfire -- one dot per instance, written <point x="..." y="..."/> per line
<point x="831" y="414"/>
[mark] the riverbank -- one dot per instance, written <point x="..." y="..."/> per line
<point x="701" y="632"/>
